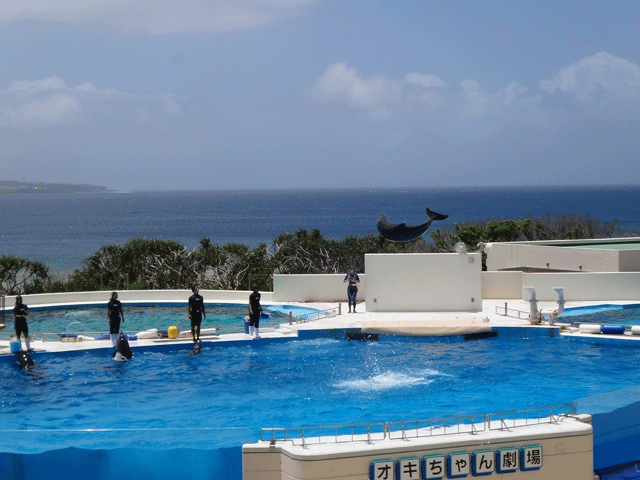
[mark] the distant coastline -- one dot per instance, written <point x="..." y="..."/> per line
<point x="9" y="187"/>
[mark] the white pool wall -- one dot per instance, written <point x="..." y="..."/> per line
<point x="162" y="296"/>
<point x="567" y="453"/>
<point x="415" y="282"/>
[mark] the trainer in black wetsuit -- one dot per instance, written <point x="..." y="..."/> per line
<point x="254" y="312"/>
<point x="115" y="315"/>
<point x="352" y="289"/>
<point x="195" y="312"/>
<point x="20" y="314"/>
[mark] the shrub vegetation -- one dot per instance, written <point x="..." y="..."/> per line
<point x="165" y="264"/>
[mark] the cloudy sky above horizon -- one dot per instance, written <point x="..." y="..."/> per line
<point x="258" y="94"/>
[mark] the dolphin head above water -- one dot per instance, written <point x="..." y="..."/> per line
<point x="123" y="352"/>
<point x="24" y="361"/>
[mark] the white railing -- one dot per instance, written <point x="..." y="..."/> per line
<point x="401" y="430"/>
<point x="531" y="416"/>
<point x="437" y="426"/>
<point x="326" y="434"/>
<point x="315" y="315"/>
<point x="512" y="312"/>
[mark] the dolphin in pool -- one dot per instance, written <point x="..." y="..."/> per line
<point x="123" y="352"/>
<point x="401" y="233"/>
<point x="24" y="361"/>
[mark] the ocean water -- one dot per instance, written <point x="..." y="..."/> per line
<point x="61" y="230"/>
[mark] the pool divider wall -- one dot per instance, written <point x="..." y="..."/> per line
<point x="127" y="296"/>
<point x="565" y="447"/>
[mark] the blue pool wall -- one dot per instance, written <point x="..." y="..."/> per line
<point x="616" y="435"/>
<point x="131" y="463"/>
<point x="615" y="417"/>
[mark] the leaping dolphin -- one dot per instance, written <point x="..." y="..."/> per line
<point x="123" y="352"/>
<point x="402" y="233"/>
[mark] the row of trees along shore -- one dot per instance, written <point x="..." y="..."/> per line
<point x="165" y="264"/>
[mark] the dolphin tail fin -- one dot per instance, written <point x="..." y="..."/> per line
<point x="435" y="216"/>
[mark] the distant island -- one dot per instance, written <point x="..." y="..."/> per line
<point x="10" y="186"/>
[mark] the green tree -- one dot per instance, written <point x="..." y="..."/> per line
<point x="18" y="276"/>
<point x="143" y="263"/>
<point x="222" y="267"/>
<point x="139" y="264"/>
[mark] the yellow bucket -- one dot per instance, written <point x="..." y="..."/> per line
<point x="173" y="332"/>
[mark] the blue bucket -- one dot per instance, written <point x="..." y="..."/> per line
<point x="14" y="347"/>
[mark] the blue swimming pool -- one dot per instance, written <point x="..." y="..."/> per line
<point x="155" y="415"/>
<point x="628" y="314"/>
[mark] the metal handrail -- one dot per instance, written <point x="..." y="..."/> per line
<point x="437" y="426"/>
<point x="402" y="430"/>
<point x="521" y="418"/>
<point x="512" y="312"/>
<point x="315" y="315"/>
<point x="338" y="433"/>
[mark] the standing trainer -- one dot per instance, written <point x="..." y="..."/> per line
<point x="20" y="314"/>
<point x="352" y="290"/>
<point x="195" y="312"/>
<point x="254" y="312"/>
<point x="115" y="315"/>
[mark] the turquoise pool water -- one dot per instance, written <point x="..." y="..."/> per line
<point x="158" y="412"/>
<point x="138" y="317"/>
<point x="604" y="314"/>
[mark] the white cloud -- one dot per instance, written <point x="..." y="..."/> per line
<point x="475" y="99"/>
<point x="381" y="96"/>
<point x="343" y="84"/>
<point x="53" y="83"/>
<point x="416" y="92"/>
<point x="51" y="110"/>
<point x="30" y="105"/>
<point x="425" y="80"/>
<point x="511" y="92"/>
<point x="603" y="85"/>
<point x="86" y="87"/>
<point x="591" y="78"/>
<point x="155" y="16"/>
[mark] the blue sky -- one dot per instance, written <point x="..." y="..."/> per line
<point x="255" y="94"/>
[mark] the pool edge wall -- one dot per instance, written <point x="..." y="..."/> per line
<point x="565" y="447"/>
<point x="133" y="463"/>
